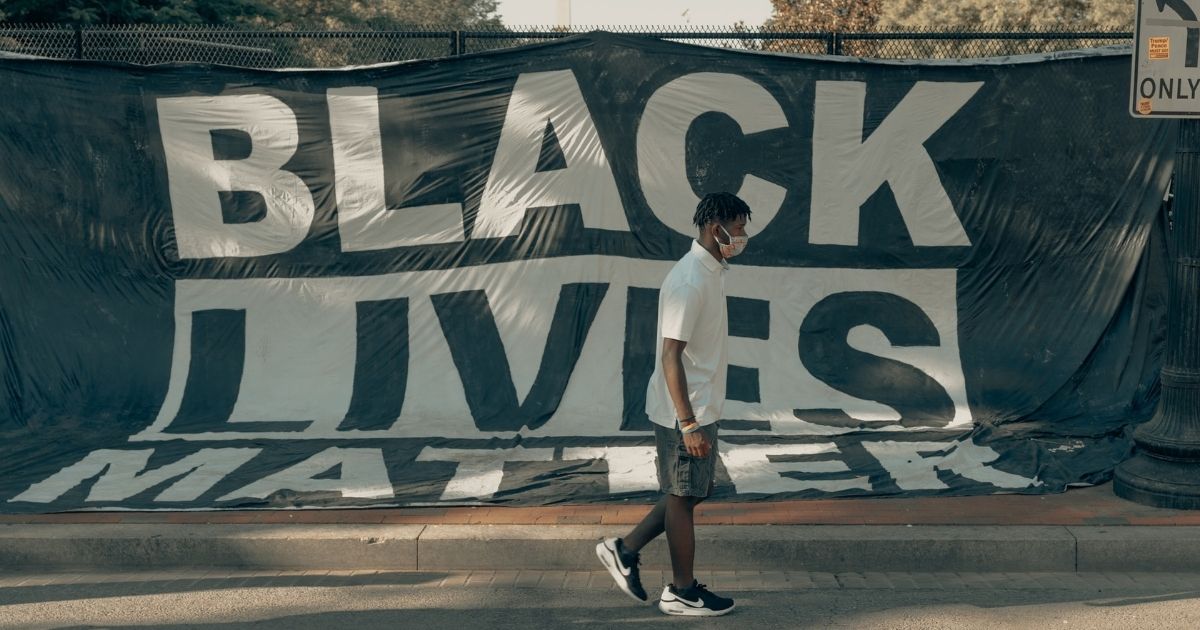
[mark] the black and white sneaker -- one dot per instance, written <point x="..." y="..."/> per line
<point x="695" y="601"/>
<point x="623" y="566"/>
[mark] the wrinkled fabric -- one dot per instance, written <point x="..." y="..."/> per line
<point x="436" y="281"/>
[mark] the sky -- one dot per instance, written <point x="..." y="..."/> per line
<point x="638" y="12"/>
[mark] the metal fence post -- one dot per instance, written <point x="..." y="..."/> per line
<point x="78" y="41"/>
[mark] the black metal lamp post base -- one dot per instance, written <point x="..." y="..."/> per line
<point x="1158" y="482"/>
<point x="1165" y="471"/>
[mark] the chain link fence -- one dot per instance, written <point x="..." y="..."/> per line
<point x="149" y="44"/>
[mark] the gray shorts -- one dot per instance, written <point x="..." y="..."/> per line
<point x="681" y="474"/>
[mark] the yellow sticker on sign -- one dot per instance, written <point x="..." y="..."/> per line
<point x="1160" y="48"/>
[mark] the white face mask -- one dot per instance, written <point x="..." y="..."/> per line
<point x="735" y="246"/>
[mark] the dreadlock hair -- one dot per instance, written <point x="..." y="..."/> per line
<point x="720" y="207"/>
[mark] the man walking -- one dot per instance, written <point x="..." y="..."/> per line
<point x="684" y="401"/>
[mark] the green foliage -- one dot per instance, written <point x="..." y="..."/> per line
<point x="942" y="16"/>
<point x="133" y="11"/>
<point x="1007" y="15"/>
<point x="282" y="14"/>
<point x="240" y="25"/>
<point x="823" y="15"/>
<point x="375" y="15"/>
<point x="380" y="14"/>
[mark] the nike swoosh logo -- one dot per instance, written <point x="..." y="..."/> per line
<point x="617" y="561"/>
<point x="615" y="558"/>
<point x="690" y="604"/>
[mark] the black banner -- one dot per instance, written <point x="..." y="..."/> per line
<point x="436" y="281"/>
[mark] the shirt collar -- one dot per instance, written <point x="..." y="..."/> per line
<point x="708" y="260"/>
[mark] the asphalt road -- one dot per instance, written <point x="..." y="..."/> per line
<point x="295" y="601"/>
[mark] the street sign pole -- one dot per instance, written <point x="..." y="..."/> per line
<point x="1165" y="469"/>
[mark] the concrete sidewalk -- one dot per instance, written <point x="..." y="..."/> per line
<point x="219" y="599"/>
<point x="1085" y="530"/>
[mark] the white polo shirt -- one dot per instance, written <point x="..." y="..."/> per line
<point x="691" y="308"/>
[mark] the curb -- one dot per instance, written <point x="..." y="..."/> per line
<point x="761" y="548"/>
<point x="822" y="548"/>
<point x="189" y="546"/>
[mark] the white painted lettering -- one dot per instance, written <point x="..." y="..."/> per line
<point x="662" y="146"/>
<point x="123" y="474"/>
<point x="480" y="471"/>
<point x="539" y="100"/>
<point x="847" y="170"/>
<point x="363" y="476"/>
<point x="752" y="471"/>
<point x="914" y="465"/>
<point x="196" y="178"/>
<point x="364" y="221"/>
<point x="630" y="468"/>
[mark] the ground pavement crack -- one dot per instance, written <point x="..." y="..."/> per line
<point x="417" y="551"/>
<point x="1075" y="547"/>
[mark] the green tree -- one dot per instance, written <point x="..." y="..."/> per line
<point x="380" y="14"/>
<point x="242" y="46"/>
<point x="946" y="16"/>
<point x="823" y="15"/>
<point x="377" y="15"/>
<point x="293" y="14"/>
<point x="1007" y="15"/>
<point x="133" y="11"/>
<point x="1004" y="15"/>
<point x="811" y="16"/>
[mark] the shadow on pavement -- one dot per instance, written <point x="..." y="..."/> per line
<point x="1148" y="599"/>
<point x="487" y="607"/>
<point x="133" y="587"/>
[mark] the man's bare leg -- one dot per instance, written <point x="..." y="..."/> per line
<point x="651" y="525"/>
<point x="681" y="538"/>
<point x="648" y="529"/>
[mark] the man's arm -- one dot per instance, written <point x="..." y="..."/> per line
<point x="672" y="363"/>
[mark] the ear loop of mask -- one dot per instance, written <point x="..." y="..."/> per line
<point x="727" y="235"/>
